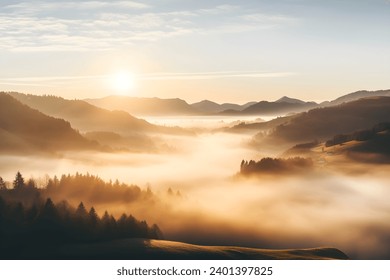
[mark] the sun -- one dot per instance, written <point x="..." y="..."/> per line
<point x="123" y="82"/>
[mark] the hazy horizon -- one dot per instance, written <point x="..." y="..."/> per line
<point x="232" y="52"/>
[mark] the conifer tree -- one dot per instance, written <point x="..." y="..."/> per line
<point x="2" y="184"/>
<point x="19" y="181"/>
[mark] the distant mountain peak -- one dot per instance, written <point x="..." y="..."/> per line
<point x="287" y="99"/>
<point x="205" y="101"/>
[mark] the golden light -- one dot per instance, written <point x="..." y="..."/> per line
<point x="123" y="82"/>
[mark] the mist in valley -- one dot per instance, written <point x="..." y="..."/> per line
<point x="199" y="196"/>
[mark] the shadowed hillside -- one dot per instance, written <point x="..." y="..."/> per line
<point x="251" y="127"/>
<point x="145" y="106"/>
<point x="279" y="107"/>
<point x="87" y="117"/>
<point x="323" y="123"/>
<point x="136" y="142"/>
<point x="355" y="96"/>
<point x="369" y="145"/>
<point x="25" y="129"/>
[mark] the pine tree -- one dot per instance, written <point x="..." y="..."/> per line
<point x="2" y="184"/>
<point x="31" y="184"/>
<point x="93" y="217"/>
<point x="49" y="211"/>
<point x="19" y="181"/>
<point x="81" y="211"/>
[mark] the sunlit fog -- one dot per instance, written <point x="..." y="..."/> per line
<point x="200" y="197"/>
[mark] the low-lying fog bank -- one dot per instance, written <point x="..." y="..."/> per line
<point x="321" y="207"/>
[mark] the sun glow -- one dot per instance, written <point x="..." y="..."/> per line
<point x="123" y="82"/>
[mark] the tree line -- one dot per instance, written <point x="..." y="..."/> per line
<point x="360" y="135"/>
<point x="27" y="219"/>
<point x="275" y="165"/>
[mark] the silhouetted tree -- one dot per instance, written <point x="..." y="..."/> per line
<point x="275" y="165"/>
<point x="81" y="211"/>
<point x="17" y="213"/>
<point x="2" y="207"/>
<point x="2" y="184"/>
<point x="31" y="184"/>
<point x="49" y="211"/>
<point x="19" y="181"/>
<point x="93" y="217"/>
<point x="105" y="218"/>
<point x="30" y="224"/>
<point x="155" y="232"/>
<point x="32" y="213"/>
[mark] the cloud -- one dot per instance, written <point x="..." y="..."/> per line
<point x="102" y="25"/>
<point x="221" y="9"/>
<point x="52" y="34"/>
<point x="268" y="19"/>
<point x="42" y="6"/>
<point x="214" y="75"/>
<point x="150" y="76"/>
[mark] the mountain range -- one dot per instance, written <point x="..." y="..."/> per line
<point x="145" y="106"/>
<point x="23" y="129"/>
<point x="264" y="108"/>
<point x="178" y="107"/>
<point x="320" y="124"/>
<point x="210" y="107"/>
<point x="43" y="122"/>
<point x="86" y="117"/>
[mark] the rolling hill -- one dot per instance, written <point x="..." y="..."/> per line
<point x="253" y="127"/>
<point x="280" y="107"/>
<point x="145" y="106"/>
<point x="286" y="99"/>
<point x="323" y="123"/>
<point x="24" y="129"/>
<point x="210" y="107"/>
<point x="355" y="96"/>
<point x="86" y="117"/>
<point x="149" y="249"/>
<point x="369" y="145"/>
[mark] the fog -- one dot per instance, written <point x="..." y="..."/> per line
<point x="322" y="207"/>
<point x="208" y="122"/>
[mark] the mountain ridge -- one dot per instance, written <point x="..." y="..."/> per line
<point x="142" y="106"/>
<point x="87" y="117"/>
<point x="26" y="129"/>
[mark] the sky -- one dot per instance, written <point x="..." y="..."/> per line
<point x="221" y="50"/>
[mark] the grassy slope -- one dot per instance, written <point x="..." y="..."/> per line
<point x="162" y="249"/>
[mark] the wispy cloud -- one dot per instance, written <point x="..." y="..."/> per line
<point x="269" y="19"/>
<point x="214" y="75"/>
<point x="49" y="81"/>
<point x="221" y="9"/>
<point x="65" y="25"/>
<point x="25" y="84"/>
<point x="44" y="6"/>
